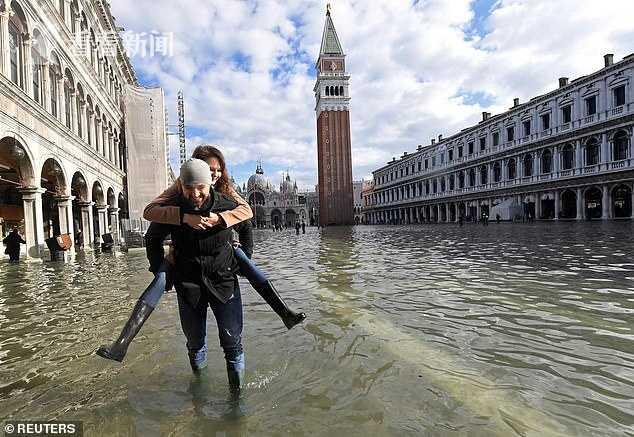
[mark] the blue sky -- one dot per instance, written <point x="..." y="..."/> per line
<point x="418" y="69"/>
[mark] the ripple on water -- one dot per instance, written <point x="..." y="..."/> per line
<point x="414" y="330"/>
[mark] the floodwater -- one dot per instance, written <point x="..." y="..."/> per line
<point x="433" y="330"/>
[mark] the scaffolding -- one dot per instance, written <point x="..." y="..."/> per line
<point x="181" y="127"/>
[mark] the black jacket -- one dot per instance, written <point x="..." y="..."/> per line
<point x="245" y="236"/>
<point x="204" y="261"/>
<point x="13" y="241"/>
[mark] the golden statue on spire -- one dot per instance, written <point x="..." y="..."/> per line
<point x="328" y="8"/>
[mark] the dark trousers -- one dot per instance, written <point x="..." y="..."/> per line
<point x="228" y="319"/>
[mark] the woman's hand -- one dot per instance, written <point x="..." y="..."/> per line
<point x="197" y="222"/>
<point x="213" y="219"/>
<point x="201" y="223"/>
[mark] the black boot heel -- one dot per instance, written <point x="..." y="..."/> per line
<point x="272" y="297"/>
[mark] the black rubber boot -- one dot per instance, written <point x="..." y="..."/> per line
<point x="117" y="350"/>
<point x="236" y="380"/>
<point x="272" y="297"/>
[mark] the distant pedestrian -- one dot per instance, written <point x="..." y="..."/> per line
<point x="13" y="241"/>
<point x="79" y="238"/>
<point x="303" y="227"/>
<point x="461" y="220"/>
<point x="297" y="226"/>
<point x="497" y="218"/>
<point x="485" y="219"/>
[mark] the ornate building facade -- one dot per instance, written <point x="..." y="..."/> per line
<point x="276" y="208"/>
<point x="334" y="154"/>
<point x="62" y="157"/>
<point x="357" y="196"/>
<point x="567" y="154"/>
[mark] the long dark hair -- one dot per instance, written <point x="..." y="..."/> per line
<point x="206" y="151"/>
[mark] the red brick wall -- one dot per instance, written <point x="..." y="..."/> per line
<point x="334" y="168"/>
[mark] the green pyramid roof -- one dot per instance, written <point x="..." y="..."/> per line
<point x="330" y="44"/>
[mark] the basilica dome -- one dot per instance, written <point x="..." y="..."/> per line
<point x="258" y="181"/>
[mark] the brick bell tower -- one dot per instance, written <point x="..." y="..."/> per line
<point x="333" y="131"/>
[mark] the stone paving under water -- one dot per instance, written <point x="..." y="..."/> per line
<point x="510" y="329"/>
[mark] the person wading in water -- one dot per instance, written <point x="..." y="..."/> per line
<point x="166" y="209"/>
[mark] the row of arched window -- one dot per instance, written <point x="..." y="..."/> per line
<point x="38" y="72"/>
<point x="620" y="144"/>
<point x="88" y="45"/>
<point x="527" y="163"/>
<point x="334" y="91"/>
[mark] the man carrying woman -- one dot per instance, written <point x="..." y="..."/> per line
<point x="201" y="221"/>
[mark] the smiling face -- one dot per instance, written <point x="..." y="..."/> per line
<point x="196" y="194"/>
<point x="215" y="168"/>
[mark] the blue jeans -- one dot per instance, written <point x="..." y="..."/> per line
<point x="248" y="268"/>
<point x="229" y="320"/>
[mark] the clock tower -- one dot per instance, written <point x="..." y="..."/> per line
<point x="333" y="131"/>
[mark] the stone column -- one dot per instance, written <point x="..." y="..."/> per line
<point x="86" y="223"/>
<point x="61" y="100"/>
<point x="578" y="156"/>
<point x="446" y="207"/>
<point x="98" y="136"/>
<point x="83" y="120"/>
<point x="556" y="161"/>
<point x="89" y="126"/>
<point x="557" y="205"/>
<point x="117" y="151"/>
<point x="605" y="150"/>
<point x="74" y="120"/>
<point x="99" y="66"/>
<point x="110" y="146"/>
<point x="5" y="60"/>
<point x="114" y="220"/>
<point x="65" y="209"/>
<point x="104" y="139"/>
<point x="538" y="206"/>
<point x="478" y="210"/>
<point x="536" y="166"/>
<point x="92" y="56"/>
<point x="27" y="44"/>
<point x="78" y="34"/>
<point x="33" y="221"/>
<point x="111" y="84"/>
<point x="46" y="85"/>
<point x="605" y="203"/>
<point x="102" y="219"/>
<point x="67" y="13"/>
<point x="580" y="211"/>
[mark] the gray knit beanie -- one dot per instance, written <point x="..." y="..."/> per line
<point x="195" y="171"/>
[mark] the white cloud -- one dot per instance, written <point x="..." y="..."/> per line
<point x="409" y="61"/>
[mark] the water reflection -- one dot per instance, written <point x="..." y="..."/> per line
<point x="437" y="330"/>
